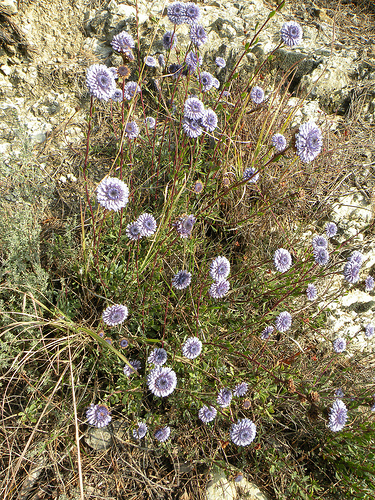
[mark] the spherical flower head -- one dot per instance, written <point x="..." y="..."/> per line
<point x="135" y="366"/>
<point x="122" y="42"/>
<point x="369" y="284"/>
<point x="162" y="434"/>
<point x="207" y="414"/>
<point x="283" y="321"/>
<point x="215" y="83"/>
<point x="209" y="120"/>
<point x="224" y="397"/>
<point x="219" y="268"/>
<point x="124" y="343"/>
<point x="150" y="122"/>
<point x="291" y="33"/>
<point x="98" y="415"/>
<point x="279" y="142"/>
<point x="251" y="175"/>
<point x="181" y="280"/>
<point x="162" y="381"/>
<point x="192" y="61"/>
<point x="198" y="187"/>
<point x="158" y="356"/>
<point x="140" y="431"/>
<point x="339" y="345"/>
<point x="240" y="389"/>
<point x="123" y="71"/>
<point x="192" y="13"/>
<point x="257" y="95"/>
<point x="370" y="330"/>
<point x="220" y="62"/>
<point x="184" y="225"/>
<point x="161" y="60"/>
<point x="206" y="80"/>
<point x="319" y="242"/>
<point x="331" y="229"/>
<point x="117" y="95"/>
<point x="219" y="289"/>
<point x="193" y="108"/>
<point x="308" y="141"/>
<point x="267" y="332"/>
<point x="108" y="340"/>
<point x="131" y="89"/>
<point x="150" y="61"/>
<point x="192" y="348"/>
<point x="356" y="257"/>
<point x="169" y="40"/>
<point x="192" y="128"/>
<point x="115" y="315"/>
<point x="339" y="393"/>
<point x="243" y="432"/>
<point x="131" y="130"/>
<point x="176" y="13"/>
<point x="175" y="70"/>
<point x="311" y="292"/>
<point x="100" y="82"/>
<point x="147" y="224"/>
<point x="282" y="260"/>
<point x="112" y="194"/>
<point x="133" y="231"/>
<point x="351" y="272"/>
<point x="321" y="256"/>
<point x="338" y="416"/>
<point x="198" y="35"/>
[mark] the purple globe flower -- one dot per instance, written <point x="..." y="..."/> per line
<point x="351" y="272"/>
<point x="117" y="95"/>
<point x="321" y="256"/>
<point x="192" y="128"/>
<point x="243" y="432"/>
<point x="150" y="122"/>
<point x="100" y="82"/>
<point x="369" y="284"/>
<point x="175" y="70"/>
<point x="192" y="348"/>
<point x="215" y="83"/>
<point x="257" y="95"/>
<point x="339" y="345"/>
<point x="291" y="33"/>
<point x="192" y="61"/>
<point x="131" y="130"/>
<point x="219" y="268"/>
<point x="176" y="13"/>
<point x="108" y="340"/>
<point x="308" y="141"/>
<point x="162" y="381"/>
<point x="339" y="393"/>
<point x="140" y="431"/>
<point x="207" y="414"/>
<point x="133" y="231"/>
<point x="198" y="35"/>
<point x="356" y="258"/>
<point x="135" y="365"/>
<point x="115" y="315"/>
<point x="98" y="415"/>
<point x="206" y="80"/>
<point x="282" y="260"/>
<point x="251" y="175"/>
<point x="198" y="187"/>
<point x="192" y="13"/>
<point x="193" y="108"/>
<point x="283" y="321"/>
<point x="224" y="397"/>
<point x="219" y="289"/>
<point x="331" y="229"/>
<point x="267" y="332"/>
<point x="184" y="225"/>
<point x="338" y="416"/>
<point x="150" y="61"/>
<point x="279" y="142"/>
<point x="319" y="242"/>
<point x="122" y="42"/>
<point x="158" y="356"/>
<point x="124" y="343"/>
<point x="162" y="434"/>
<point x="220" y="62"/>
<point x="181" y="280"/>
<point x="112" y="194"/>
<point x="161" y="60"/>
<point x="370" y="329"/>
<point x="240" y="389"/>
<point x="147" y="224"/>
<point x="209" y="120"/>
<point x="169" y="40"/>
<point x="131" y="89"/>
<point x="311" y="292"/>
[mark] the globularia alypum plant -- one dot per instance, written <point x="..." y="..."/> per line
<point x="208" y="305"/>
